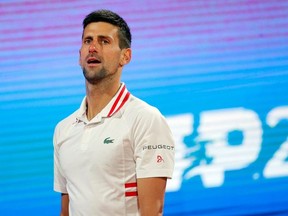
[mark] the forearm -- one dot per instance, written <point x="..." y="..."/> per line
<point x="64" y="205"/>
<point x="154" y="209"/>
<point x="151" y="192"/>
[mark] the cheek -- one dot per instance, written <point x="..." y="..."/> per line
<point x="117" y="56"/>
<point x="81" y="57"/>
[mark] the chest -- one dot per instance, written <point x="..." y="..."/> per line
<point x="96" y="148"/>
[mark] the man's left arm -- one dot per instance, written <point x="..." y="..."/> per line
<point x="151" y="193"/>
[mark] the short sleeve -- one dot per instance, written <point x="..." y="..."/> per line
<point x="59" y="179"/>
<point x="154" y="145"/>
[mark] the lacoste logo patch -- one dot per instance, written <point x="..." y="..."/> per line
<point x="108" y="140"/>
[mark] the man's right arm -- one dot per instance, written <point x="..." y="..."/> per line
<point x="64" y="205"/>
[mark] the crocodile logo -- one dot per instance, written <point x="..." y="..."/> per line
<point x="108" y="140"/>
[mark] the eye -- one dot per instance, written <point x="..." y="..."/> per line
<point x="104" y="41"/>
<point x="87" y="41"/>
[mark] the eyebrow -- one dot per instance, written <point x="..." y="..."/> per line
<point x="98" y="36"/>
<point x="87" y="37"/>
<point x="105" y="37"/>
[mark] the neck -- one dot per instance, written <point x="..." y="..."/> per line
<point x="99" y="95"/>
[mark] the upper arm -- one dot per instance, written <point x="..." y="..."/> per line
<point x="64" y="205"/>
<point x="151" y="192"/>
<point x="153" y="145"/>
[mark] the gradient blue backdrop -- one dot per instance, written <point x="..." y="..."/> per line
<point x="218" y="70"/>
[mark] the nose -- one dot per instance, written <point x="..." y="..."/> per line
<point x="92" y="48"/>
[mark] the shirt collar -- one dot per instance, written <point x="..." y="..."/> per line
<point x="116" y="103"/>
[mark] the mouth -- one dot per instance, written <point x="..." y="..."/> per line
<point x="93" y="61"/>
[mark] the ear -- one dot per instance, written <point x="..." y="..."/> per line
<point x="79" y="60"/>
<point x="126" y="56"/>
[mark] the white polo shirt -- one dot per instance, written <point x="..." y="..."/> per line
<point x="97" y="162"/>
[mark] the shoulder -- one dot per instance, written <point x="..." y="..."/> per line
<point x="138" y="108"/>
<point x="138" y="113"/>
<point x="66" y="123"/>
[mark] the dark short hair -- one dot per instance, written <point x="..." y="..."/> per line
<point x="108" y="16"/>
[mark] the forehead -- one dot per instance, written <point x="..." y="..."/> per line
<point x="100" y="28"/>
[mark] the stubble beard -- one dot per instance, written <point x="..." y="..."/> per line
<point x="96" y="77"/>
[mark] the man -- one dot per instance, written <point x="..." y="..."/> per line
<point x="114" y="154"/>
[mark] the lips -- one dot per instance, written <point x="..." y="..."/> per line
<point x="93" y="60"/>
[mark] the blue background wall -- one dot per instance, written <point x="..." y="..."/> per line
<point x="218" y="70"/>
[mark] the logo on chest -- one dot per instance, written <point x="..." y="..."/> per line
<point x="108" y="140"/>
